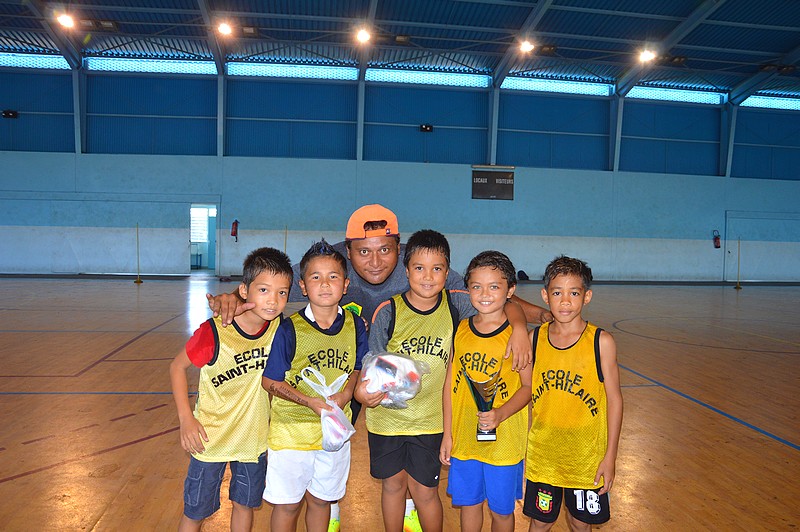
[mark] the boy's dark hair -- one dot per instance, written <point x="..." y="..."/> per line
<point x="427" y="240"/>
<point x="265" y="260"/>
<point x="568" y="266"/>
<point x="492" y="259"/>
<point x="322" y="249"/>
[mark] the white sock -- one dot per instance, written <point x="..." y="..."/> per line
<point x="410" y="506"/>
<point x="334" y="511"/>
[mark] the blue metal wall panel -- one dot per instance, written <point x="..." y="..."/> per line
<point x="663" y="156"/>
<point x="767" y="145"/>
<point x="151" y="135"/>
<point x="542" y="112"/>
<point x="53" y="133"/>
<point x="671" y="121"/>
<point x="443" y="145"/>
<point x="580" y="152"/>
<point x="269" y="98"/>
<point x="768" y="127"/>
<point x="314" y="140"/>
<point x="44" y="103"/>
<point x="148" y="96"/>
<point x="524" y="149"/>
<point x="417" y="105"/>
<point x="643" y="155"/>
<point x="670" y="138"/>
<point x="752" y="161"/>
<point x="543" y="150"/>
<point x="36" y="92"/>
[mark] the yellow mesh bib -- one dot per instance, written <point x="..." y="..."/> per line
<point x="295" y="426"/>
<point x="482" y="355"/>
<point x="231" y="404"/>
<point x="568" y="435"/>
<point x="424" y="336"/>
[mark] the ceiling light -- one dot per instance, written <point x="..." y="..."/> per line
<point x="248" y="30"/>
<point x="225" y="28"/>
<point x="647" y="56"/>
<point x="363" y="35"/>
<point x="85" y="23"/>
<point x="526" y="46"/>
<point x="66" y="20"/>
<point x="108" y="25"/>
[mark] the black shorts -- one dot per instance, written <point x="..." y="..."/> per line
<point x="417" y="455"/>
<point x="543" y="503"/>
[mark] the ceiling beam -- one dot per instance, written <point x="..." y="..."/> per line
<point x="62" y="42"/>
<point x="630" y="78"/>
<point x="503" y="67"/>
<point x="365" y="49"/>
<point x="751" y="85"/>
<point x="213" y="42"/>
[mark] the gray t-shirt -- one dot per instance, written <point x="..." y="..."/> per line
<point x="369" y="296"/>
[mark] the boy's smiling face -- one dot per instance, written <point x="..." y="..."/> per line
<point x="427" y="275"/>
<point x="269" y="291"/>
<point x="488" y="290"/>
<point x="324" y="282"/>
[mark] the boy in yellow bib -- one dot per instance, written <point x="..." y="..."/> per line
<point x="485" y="470"/>
<point x="404" y="443"/>
<point x="230" y="421"/>
<point x="332" y="341"/>
<point x="577" y="407"/>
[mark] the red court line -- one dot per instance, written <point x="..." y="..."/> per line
<point x="39" y="439"/>
<point x="122" y="417"/>
<point x="97" y="453"/>
<point x="85" y="427"/>
<point x="96" y="362"/>
<point x="162" y="405"/>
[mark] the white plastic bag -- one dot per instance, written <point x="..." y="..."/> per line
<point x="336" y="428"/>
<point x="397" y="375"/>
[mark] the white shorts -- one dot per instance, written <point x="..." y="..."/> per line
<point x="291" y="473"/>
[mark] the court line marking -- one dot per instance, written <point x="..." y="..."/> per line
<point x="716" y="410"/>
<point x="101" y="359"/>
<point x="617" y="328"/>
<point x="90" y="455"/>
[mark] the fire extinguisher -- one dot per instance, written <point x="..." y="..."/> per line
<point x="235" y="230"/>
<point x="717" y="242"/>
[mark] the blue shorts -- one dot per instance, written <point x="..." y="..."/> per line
<point x="471" y="482"/>
<point x="204" y="479"/>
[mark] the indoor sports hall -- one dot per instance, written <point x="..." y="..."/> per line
<point x="147" y="147"/>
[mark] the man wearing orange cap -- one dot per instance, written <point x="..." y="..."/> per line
<point x="374" y="267"/>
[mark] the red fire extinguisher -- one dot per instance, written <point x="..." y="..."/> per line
<point x="717" y="242"/>
<point x="235" y="230"/>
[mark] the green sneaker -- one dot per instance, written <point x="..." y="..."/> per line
<point x="411" y="522"/>
<point x="333" y="525"/>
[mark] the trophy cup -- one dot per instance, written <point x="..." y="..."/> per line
<point x="483" y="392"/>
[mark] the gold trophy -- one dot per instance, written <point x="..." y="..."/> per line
<point x="484" y="392"/>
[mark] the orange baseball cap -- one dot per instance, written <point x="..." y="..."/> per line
<point x="371" y="213"/>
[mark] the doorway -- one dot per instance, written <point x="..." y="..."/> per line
<point x="203" y="237"/>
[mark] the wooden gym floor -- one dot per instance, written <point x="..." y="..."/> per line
<point x="710" y="375"/>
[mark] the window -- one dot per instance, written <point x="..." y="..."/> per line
<point x="199" y="226"/>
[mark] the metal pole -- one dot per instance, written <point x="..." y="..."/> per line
<point x="138" y="277"/>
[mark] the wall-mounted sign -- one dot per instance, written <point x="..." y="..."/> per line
<point x="493" y="184"/>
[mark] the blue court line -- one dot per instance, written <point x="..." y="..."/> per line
<point x="775" y="437"/>
<point x="90" y="393"/>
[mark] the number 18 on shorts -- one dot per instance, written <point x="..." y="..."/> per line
<point x="543" y="503"/>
